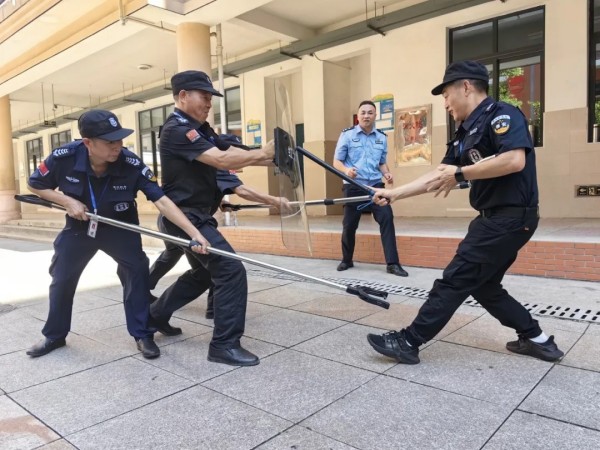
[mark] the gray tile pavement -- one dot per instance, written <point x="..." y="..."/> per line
<point x="319" y="384"/>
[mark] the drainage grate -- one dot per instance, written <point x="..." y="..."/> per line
<point x="559" y="312"/>
<point x="6" y="308"/>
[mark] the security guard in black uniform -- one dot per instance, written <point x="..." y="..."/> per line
<point x="191" y="153"/>
<point x="97" y="174"/>
<point x="228" y="183"/>
<point x="504" y="191"/>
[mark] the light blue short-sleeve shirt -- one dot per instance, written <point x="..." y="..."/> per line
<point x="364" y="152"/>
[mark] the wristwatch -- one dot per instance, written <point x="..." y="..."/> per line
<point x="458" y="175"/>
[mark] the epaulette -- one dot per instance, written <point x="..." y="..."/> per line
<point x="347" y="129"/>
<point x="67" y="150"/>
<point x="381" y="131"/>
<point x="134" y="160"/>
<point x="131" y="158"/>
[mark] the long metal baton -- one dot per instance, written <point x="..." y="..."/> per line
<point x="365" y="293"/>
<point x="325" y="201"/>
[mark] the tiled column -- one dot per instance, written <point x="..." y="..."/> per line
<point x="8" y="206"/>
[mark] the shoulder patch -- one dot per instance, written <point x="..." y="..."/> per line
<point x="347" y="129"/>
<point x="135" y="162"/>
<point x="500" y="124"/>
<point x="62" y="152"/>
<point x="146" y="172"/>
<point x="381" y="131"/>
<point x="43" y="169"/>
<point x="192" y="135"/>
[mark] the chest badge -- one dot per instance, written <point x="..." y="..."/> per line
<point x="72" y="179"/>
<point x="501" y="124"/>
<point x="120" y="207"/>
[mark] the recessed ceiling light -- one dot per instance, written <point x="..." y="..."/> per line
<point x="144" y="66"/>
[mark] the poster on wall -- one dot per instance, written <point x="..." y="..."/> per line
<point x="385" y="111"/>
<point x="412" y="136"/>
<point x="254" y="133"/>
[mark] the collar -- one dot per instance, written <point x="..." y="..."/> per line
<point x="193" y="123"/>
<point x="358" y="129"/>
<point x="477" y="112"/>
<point x="82" y="162"/>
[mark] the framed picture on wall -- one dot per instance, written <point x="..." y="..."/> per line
<point x="412" y="136"/>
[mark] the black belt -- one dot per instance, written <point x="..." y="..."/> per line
<point x="196" y="209"/>
<point x="519" y="212"/>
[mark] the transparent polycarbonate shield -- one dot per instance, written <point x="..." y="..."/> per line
<point x="295" y="230"/>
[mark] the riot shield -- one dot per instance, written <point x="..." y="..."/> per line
<point x="295" y="230"/>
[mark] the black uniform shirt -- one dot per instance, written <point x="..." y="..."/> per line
<point x="227" y="181"/>
<point x="68" y="169"/>
<point x="186" y="181"/>
<point x="493" y="128"/>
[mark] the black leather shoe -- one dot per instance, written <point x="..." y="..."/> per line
<point x="344" y="266"/>
<point x="233" y="356"/>
<point x="45" y="346"/>
<point x="164" y="327"/>
<point x="396" y="269"/>
<point x="148" y="347"/>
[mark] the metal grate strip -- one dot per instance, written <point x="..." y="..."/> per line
<point x="559" y="312"/>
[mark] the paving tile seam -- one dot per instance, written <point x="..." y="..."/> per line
<point x="128" y="411"/>
<point x="577" y="368"/>
<point x="554" y="419"/>
<point x="460" y="394"/>
<point x="67" y="374"/>
<point x="336" y="361"/>
<point x="36" y="417"/>
<point x="275" y="436"/>
<point x="237" y="400"/>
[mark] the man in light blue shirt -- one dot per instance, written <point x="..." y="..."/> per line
<point x="361" y="154"/>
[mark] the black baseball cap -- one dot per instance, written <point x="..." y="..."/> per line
<point x="101" y="124"/>
<point x="234" y="140"/>
<point x="462" y="70"/>
<point x="193" y="80"/>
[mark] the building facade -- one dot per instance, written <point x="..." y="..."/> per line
<point x="59" y="58"/>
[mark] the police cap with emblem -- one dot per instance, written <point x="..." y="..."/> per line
<point x="191" y="80"/>
<point x="102" y="124"/>
<point x="462" y="70"/>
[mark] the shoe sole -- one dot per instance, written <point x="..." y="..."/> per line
<point x="166" y="333"/>
<point x="37" y="355"/>
<point x="537" y="356"/>
<point x="230" y="363"/>
<point x="391" y="354"/>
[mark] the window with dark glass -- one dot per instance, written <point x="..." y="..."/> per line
<point x="512" y="48"/>
<point x="35" y="154"/>
<point x="594" y="72"/>
<point x="59" y="139"/>
<point x="233" y="106"/>
<point x="149" y="123"/>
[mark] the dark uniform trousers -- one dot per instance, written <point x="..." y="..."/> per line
<point x="166" y="260"/>
<point x="483" y="257"/>
<point x="73" y="249"/>
<point x="228" y="276"/>
<point x="383" y="215"/>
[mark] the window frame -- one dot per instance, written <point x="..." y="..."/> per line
<point x="32" y="151"/>
<point x="593" y="41"/>
<point x="496" y="58"/>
